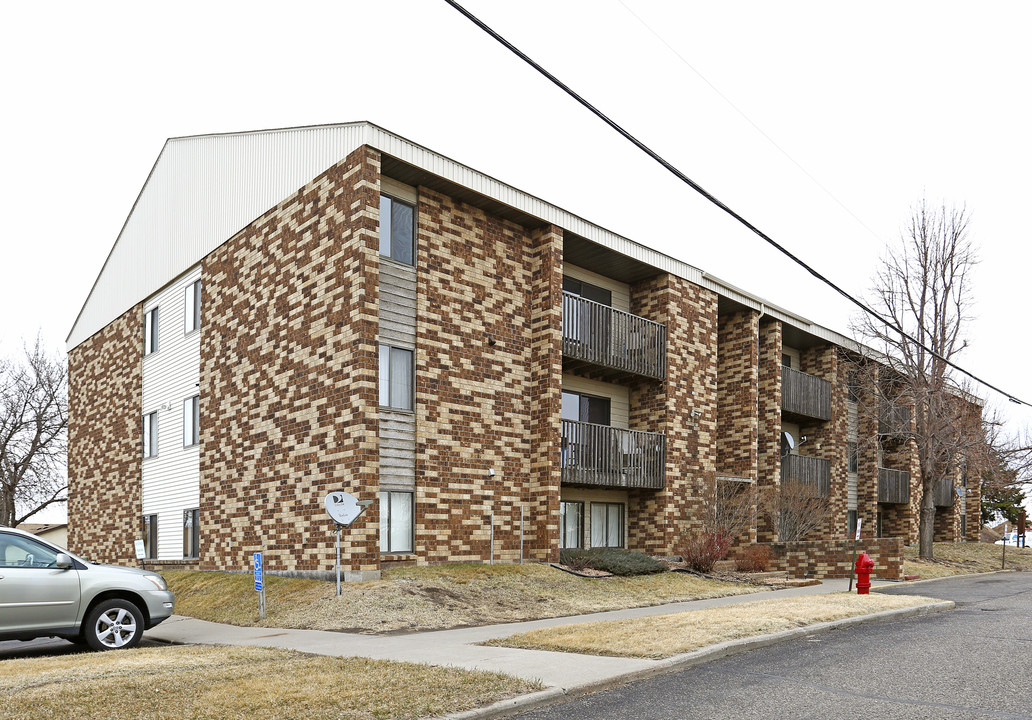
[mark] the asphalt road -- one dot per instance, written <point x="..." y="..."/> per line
<point x="971" y="662"/>
<point x="50" y="647"/>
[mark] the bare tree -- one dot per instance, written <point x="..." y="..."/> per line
<point x="795" y="511"/>
<point x="924" y="287"/>
<point x="33" y="434"/>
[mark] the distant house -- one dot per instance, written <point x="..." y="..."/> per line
<point x="291" y="312"/>
<point x="56" y="533"/>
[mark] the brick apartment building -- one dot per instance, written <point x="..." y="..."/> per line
<point x="291" y="312"/>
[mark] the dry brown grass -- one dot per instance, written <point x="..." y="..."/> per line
<point x="964" y="558"/>
<point x="666" y="635"/>
<point x="206" y="682"/>
<point x="430" y="598"/>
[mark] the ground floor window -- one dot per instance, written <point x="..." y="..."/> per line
<point x="149" y="530"/>
<point x="963" y="527"/>
<point x="878" y="523"/>
<point x="851" y="515"/>
<point x="571" y="524"/>
<point x="396" y="526"/>
<point x="192" y="533"/>
<point x="607" y="523"/>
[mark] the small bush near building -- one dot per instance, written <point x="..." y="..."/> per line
<point x="754" y="558"/>
<point x="701" y="551"/>
<point x="612" y="560"/>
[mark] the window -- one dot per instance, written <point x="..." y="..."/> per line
<point x="786" y="360"/>
<point x="587" y="290"/>
<point x="396" y="378"/>
<point x="585" y="408"/>
<point x="571" y="524"/>
<point x="878" y="523"/>
<point x="192" y="421"/>
<point x="854" y="457"/>
<point x="395" y="522"/>
<point x="149" y="530"/>
<point x="851" y="515"/>
<point x="397" y="230"/>
<point x="150" y="331"/>
<point x="192" y="533"/>
<point x="853" y="387"/>
<point x="607" y="524"/>
<point x="22" y="552"/>
<point x="192" y="316"/>
<point x="963" y="527"/>
<point x="150" y="434"/>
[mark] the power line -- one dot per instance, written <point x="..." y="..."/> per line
<point x="715" y="201"/>
<point x="749" y="120"/>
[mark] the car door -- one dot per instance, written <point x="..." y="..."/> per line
<point x="35" y="595"/>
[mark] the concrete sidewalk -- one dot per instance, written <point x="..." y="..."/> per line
<point x="563" y="672"/>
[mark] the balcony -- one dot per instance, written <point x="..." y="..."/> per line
<point x="805" y="395"/>
<point x="808" y="470"/>
<point x="893" y="486"/>
<point x="604" y="456"/>
<point x="944" y="493"/>
<point x="601" y="335"/>
<point x="893" y="419"/>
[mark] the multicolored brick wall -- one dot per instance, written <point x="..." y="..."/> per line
<point x="768" y="475"/>
<point x="834" y="558"/>
<point x="657" y="519"/>
<point x="737" y="357"/>
<point x="289" y="377"/>
<point x="105" y="454"/>
<point x="480" y="281"/>
<point x="828" y="439"/>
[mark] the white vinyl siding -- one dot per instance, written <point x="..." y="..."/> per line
<point x="794" y="355"/>
<point x="852" y="433"/>
<point x="619" y="397"/>
<point x="621" y="291"/>
<point x="171" y="481"/>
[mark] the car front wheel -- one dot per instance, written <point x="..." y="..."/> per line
<point x="114" y="625"/>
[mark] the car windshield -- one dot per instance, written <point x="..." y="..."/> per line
<point x="18" y="551"/>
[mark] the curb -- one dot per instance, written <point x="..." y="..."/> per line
<point x="908" y="583"/>
<point x="554" y="696"/>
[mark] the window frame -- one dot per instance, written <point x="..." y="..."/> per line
<point x="192" y="534"/>
<point x="387" y="386"/>
<point x="386" y="523"/>
<point x="192" y="307"/>
<point x="562" y="524"/>
<point x="151" y="341"/>
<point x="623" y="520"/>
<point x="391" y="254"/>
<point x="192" y="421"/>
<point x="150" y="435"/>
<point x="149" y="533"/>
<point x="851" y="519"/>
<point x="852" y="458"/>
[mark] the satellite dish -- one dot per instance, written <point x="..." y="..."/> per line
<point x="787" y="443"/>
<point x="343" y="507"/>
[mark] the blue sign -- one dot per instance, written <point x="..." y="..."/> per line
<point x="258" y="572"/>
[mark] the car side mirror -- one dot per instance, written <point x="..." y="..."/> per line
<point x="63" y="561"/>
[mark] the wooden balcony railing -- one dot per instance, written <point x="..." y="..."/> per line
<point x="805" y="394"/>
<point x="605" y="456"/>
<point x="893" y="486"/>
<point x="612" y="338"/>
<point x="893" y="419"/>
<point x="944" y="493"/>
<point x="808" y="470"/>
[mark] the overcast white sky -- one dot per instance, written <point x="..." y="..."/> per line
<point x="882" y="103"/>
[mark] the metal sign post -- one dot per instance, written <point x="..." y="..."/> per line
<point x="344" y="509"/>
<point x="852" y="567"/>
<point x="259" y="583"/>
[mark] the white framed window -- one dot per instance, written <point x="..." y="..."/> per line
<point x="149" y="530"/>
<point x="397" y="230"/>
<point x="150" y="331"/>
<point x="396" y="378"/>
<point x="150" y="435"/>
<point x="192" y="316"/>
<point x="607" y="524"/>
<point x="192" y="533"/>
<point x="396" y="522"/>
<point x="192" y="421"/>
<point x="571" y="524"/>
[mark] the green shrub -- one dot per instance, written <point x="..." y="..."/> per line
<point x="612" y="560"/>
<point x="754" y="558"/>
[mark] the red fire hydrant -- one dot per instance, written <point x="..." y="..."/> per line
<point x="864" y="565"/>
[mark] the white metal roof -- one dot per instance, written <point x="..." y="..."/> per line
<point x="204" y="189"/>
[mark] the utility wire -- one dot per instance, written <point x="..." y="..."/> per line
<point x="749" y="120"/>
<point x="706" y="194"/>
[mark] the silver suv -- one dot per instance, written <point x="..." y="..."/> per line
<point x="45" y="591"/>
